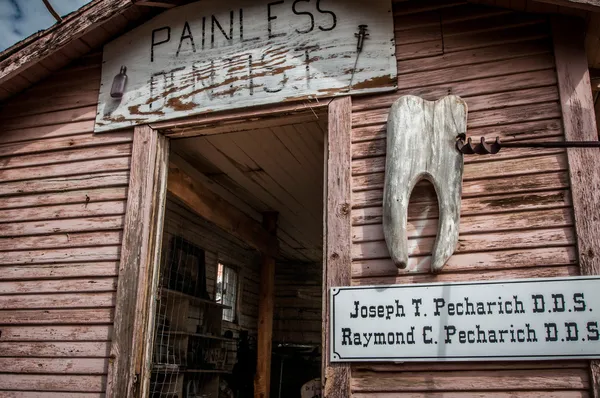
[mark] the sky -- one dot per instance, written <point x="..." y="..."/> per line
<point x="21" y="18"/>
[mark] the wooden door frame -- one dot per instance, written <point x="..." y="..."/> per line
<point x="131" y="349"/>
<point x="138" y="267"/>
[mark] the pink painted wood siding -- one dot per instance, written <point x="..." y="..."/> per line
<point x="62" y="203"/>
<point x="516" y="216"/>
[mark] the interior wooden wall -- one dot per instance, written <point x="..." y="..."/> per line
<point x="219" y="247"/>
<point x="516" y="216"/>
<point x="62" y="204"/>
<point x="297" y="314"/>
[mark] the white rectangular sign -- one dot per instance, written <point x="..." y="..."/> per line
<point x="217" y="55"/>
<point x="532" y="319"/>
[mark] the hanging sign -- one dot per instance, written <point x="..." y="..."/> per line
<point x="534" y="319"/>
<point x="217" y="55"/>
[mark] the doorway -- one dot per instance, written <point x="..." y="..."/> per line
<point x="221" y="186"/>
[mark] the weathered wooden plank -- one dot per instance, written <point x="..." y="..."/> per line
<point x="27" y="203"/>
<point x="482" y="171"/>
<point x="78" y="141"/>
<point x="48" y="394"/>
<point x="509" y="132"/>
<point x="57" y="316"/>
<point x="33" y="106"/>
<point x="134" y="268"/>
<point x="416" y="8"/>
<point x="67" y="383"/>
<point x="533" y="30"/>
<point x="338" y="243"/>
<point x="65" y="270"/>
<point x="77" y="239"/>
<point x="266" y="303"/>
<point x="481" y="206"/>
<point x="473" y="56"/>
<point x="473" y="224"/>
<point x="508" y="21"/>
<point x="579" y="120"/>
<point x="82" y="224"/>
<point x="59" y="286"/>
<point x="69" y="169"/>
<point x="54" y="349"/>
<point x="479" y="261"/>
<point x="552" y="379"/>
<point x="476" y="394"/>
<point x="467" y="366"/>
<point x="69" y="183"/>
<point x="97" y="253"/>
<point x="66" y="156"/>
<point x="487" y="187"/>
<point x="367" y="156"/>
<point x="60" y="130"/>
<point x="514" y="114"/>
<point x="51" y="301"/>
<point x="476" y="71"/>
<point x="419" y="50"/>
<point x="50" y="118"/>
<point x="67" y="334"/>
<point x="477" y="103"/>
<point x="478" y="275"/>
<point x="88" y="366"/>
<point x="83" y="209"/>
<point x="473" y="243"/>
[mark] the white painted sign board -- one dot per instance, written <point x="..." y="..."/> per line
<point x="530" y="319"/>
<point x="217" y="55"/>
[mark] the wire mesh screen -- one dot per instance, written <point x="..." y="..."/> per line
<point x="190" y="356"/>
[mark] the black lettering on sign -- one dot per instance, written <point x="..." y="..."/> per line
<point x="439" y="304"/>
<point x="186" y="33"/>
<point x="203" y="31"/>
<point x="307" y="61"/>
<point x="531" y="337"/>
<point x="427" y="340"/>
<point x="282" y="82"/>
<point x="310" y="16"/>
<point x="214" y="22"/>
<point x="538" y="303"/>
<point x="559" y="303"/>
<point x="156" y="43"/>
<point x="449" y="331"/>
<point x="333" y="18"/>
<point x="242" y="28"/>
<point x="593" y="334"/>
<point x="250" y="75"/>
<point x="417" y="303"/>
<point x="551" y="331"/>
<point x="579" y="301"/>
<point x="572" y="331"/>
<point x="272" y="18"/>
<point x="346" y="332"/>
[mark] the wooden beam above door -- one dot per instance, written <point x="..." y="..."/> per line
<point x="220" y="212"/>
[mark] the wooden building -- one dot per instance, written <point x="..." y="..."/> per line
<point x="269" y="206"/>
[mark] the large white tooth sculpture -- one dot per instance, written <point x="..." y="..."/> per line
<point x="421" y="138"/>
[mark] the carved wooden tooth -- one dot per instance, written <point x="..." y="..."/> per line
<point x="421" y="139"/>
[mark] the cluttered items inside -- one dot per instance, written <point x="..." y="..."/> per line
<point x="219" y="330"/>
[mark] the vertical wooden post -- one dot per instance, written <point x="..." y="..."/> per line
<point x="137" y="252"/>
<point x="262" y="379"/>
<point x="338" y="233"/>
<point x="580" y="125"/>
